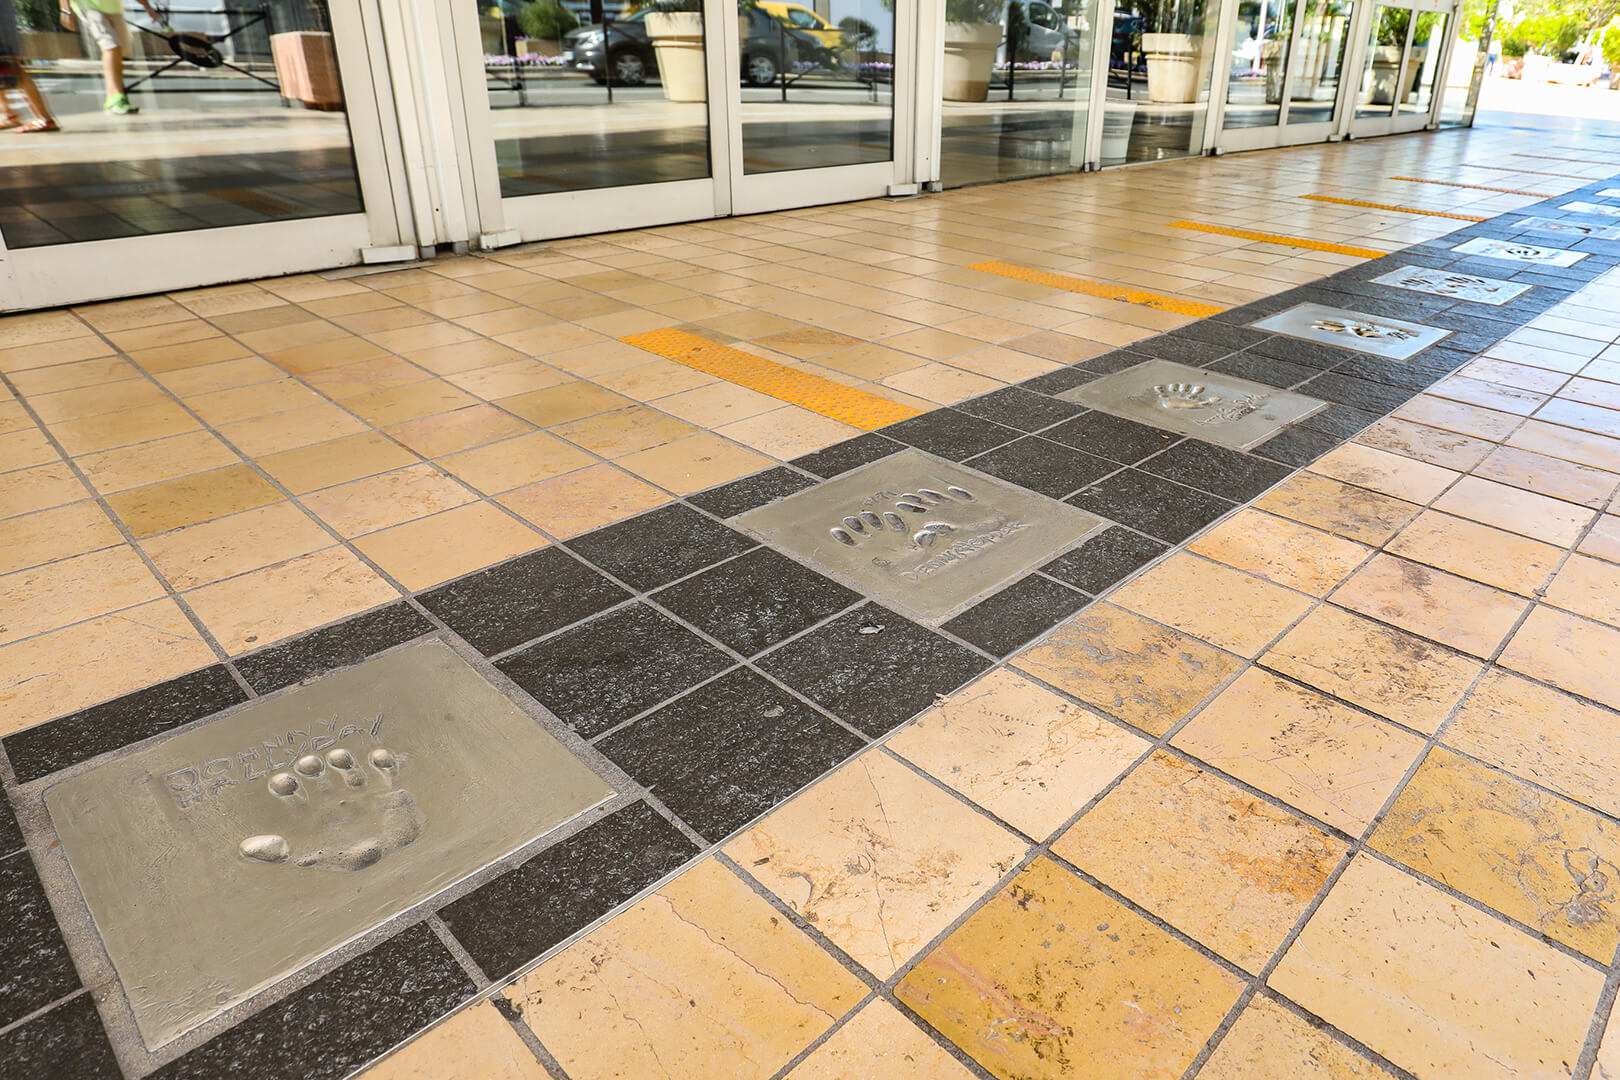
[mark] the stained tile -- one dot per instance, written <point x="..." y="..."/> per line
<point x="337" y="646"/>
<point x="879" y="1042"/>
<point x="1531" y="855"/>
<point x="1538" y="516"/>
<point x="478" y="1042"/>
<point x="658" y="547"/>
<point x="1052" y="978"/>
<point x="1151" y="504"/>
<point x="218" y="549"/>
<point x="1589" y="587"/>
<point x="1282" y="551"/>
<point x="1603" y="539"/>
<point x="1214" y="602"/>
<point x="693" y="463"/>
<point x="1569" y="652"/>
<point x="1382" y="669"/>
<point x="1549" y="476"/>
<point x="38" y="969"/>
<point x="1340" y="508"/>
<point x="1316" y="755"/>
<point x="1225" y="867"/>
<point x="1436" y="605"/>
<point x="872" y="668"/>
<point x="1476" y="551"/>
<point x="325" y="464"/>
<point x="509" y="604"/>
<point x="702" y="978"/>
<point x="563" y="404"/>
<point x="363" y="506"/>
<point x="1104" y="559"/>
<point x="278" y="601"/>
<point x="1021" y="611"/>
<point x="1141" y="672"/>
<point x="1444" y="448"/>
<point x="1390" y="474"/>
<point x="266" y="435"/>
<point x="1435" y="986"/>
<point x="47" y="535"/>
<point x="171" y="504"/>
<point x="1269" y="1042"/>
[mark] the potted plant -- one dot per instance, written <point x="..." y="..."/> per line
<point x="1173" y="41"/>
<point x="676" y="30"/>
<point x="41" y="32"/>
<point x="544" y="23"/>
<point x="1610" y="42"/>
<point x="1514" y="46"/>
<point x="973" y="33"/>
<point x="1389" y="38"/>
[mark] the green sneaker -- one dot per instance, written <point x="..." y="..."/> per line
<point x="118" y="105"/>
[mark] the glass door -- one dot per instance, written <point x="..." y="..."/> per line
<point x="1284" y="83"/>
<point x="1405" y="52"/>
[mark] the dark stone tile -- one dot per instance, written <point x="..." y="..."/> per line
<point x="873" y="668"/>
<point x="509" y="604"/>
<point x="1056" y="382"/>
<point x="41" y="750"/>
<point x="1215" y="469"/>
<point x="1357" y="393"/>
<point x="1220" y="333"/>
<point x="660" y="546"/>
<point x="951" y="434"/>
<point x="1340" y="421"/>
<point x="1111" y="437"/>
<point x="1104" y="559"/>
<point x="847" y="455"/>
<point x="67" y="1043"/>
<point x="1021" y="612"/>
<point x="35" y="968"/>
<point x="333" y="647"/>
<point x="11" y="837"/>
<point x="1151" y="504"/>
<point x="603" y="672"/>
<point x="1040" y="465"/>
<point x="511" y="920"/>
<point x="1392" y="372"/>
<point x="729" y="751"/>
<point x="1015" y="407"/>
<point x="340" y="1021"/>
<point x="756" y="600"/>
<point x="1440" y="360"/>
<point x="1304" y="353"/>
<point x="1118" y="360"/>
<point x="1297" y="446"/>
<point x="1182" y="350"/>
<point x="741" y="496"/>
<point x="1265" y="370"/>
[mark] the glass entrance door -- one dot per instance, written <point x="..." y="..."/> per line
<point x="1285" y="79"/>
<point x="1405" y="51"/>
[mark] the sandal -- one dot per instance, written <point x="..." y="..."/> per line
<point x="10" y="122"/>
<point x="34" y="127"/>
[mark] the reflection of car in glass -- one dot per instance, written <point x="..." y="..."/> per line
<point x="1046" y="32"/>
<point x="802" y="18"/>
<point x="769" y="47"/>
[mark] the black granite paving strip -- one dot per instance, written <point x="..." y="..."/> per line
<point x="872" y="668"/>
<point x="1059" y="381"/>
<point x="1357" y="393"/>
<point x="1104" y="559"/>
<point x="605" y="671"/>
<point x="1297" y="446"/>
<point x="45" y="748"/>
<point x="1017" y="614"/>
<point x="35" y="968"/>
<point x="659" y="546"/>
<point x="1041" y="465"/>
<point x="11" y="837"/>
<point x="1392" y="372"/>
<point x="1217" y="333"/>
<point x="741" y="496"/>
<point x="1151" y="504"/>
<point x="1110" y="362"/>
<point x="729" y="751"/>
<point x="513" y="919"/>
<point x="1016" y="407"/>
<point x="756" y="600"/>
<point x="1183" y="350"/>
<point x="1265" y="369"/>
<point x="949" y="434"/>
<point x="1215" y="469"/>
<point x="1303" y="353"/>
<point x="1111" y="437"/>
<point x="1340" y="421"/>
<point x="67" y="1043"/>
<point x="522" y="599"/>
<point x="849" y="454"/>
<point x="332" y="647"/>
<point x="342" y="1020"/>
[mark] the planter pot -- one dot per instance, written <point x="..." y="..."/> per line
<point x="47" y="45"/>
<point x="677" y="39"/>
<point x="1513" y="68"/>
<point x="1174" y="66"/>
<point x="1116" y="133"/>
<point x="1271" y="57"/>
<point x="538" y="47"/>
<point x="1414" y="70"/>
<point x="306" y="68"/>
<point x="970" y="56"/>
<point x="492" y="35"/>
<point x="1386" y="66"/>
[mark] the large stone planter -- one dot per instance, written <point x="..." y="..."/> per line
<point x="1174" y="67"/>
<point x="1271" y="58"/>
<point x="1385" y="68"/>
<point x="970" y="57"/>
<point x="677" y="38"/>
<point x="537" y="47"/>
<point x="1116" y="131"/>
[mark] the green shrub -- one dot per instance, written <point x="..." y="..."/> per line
<point x="1611" y="47"/>
<point x="38" y="14"/>
<point x="546" y="20"/>
<point x="1513" y="46"/>
<point x="973" y="11"/>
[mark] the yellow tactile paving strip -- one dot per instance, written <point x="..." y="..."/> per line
<point x="1475" y="187"/>
<point x="844" y="403"/>
<point x="1397" y="209"/>
<point x="1275" y="238"/>
<point x="1106" y="290"/>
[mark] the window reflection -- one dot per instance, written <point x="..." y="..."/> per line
<point x="1318" y="61"/>
<point x="1159" y="68"/>
<point x="1259" y="58"/>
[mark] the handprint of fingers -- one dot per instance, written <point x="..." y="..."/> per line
<point x="868" y="524"/>
<point x="337" y="813"/>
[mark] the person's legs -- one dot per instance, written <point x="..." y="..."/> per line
<point x="36" y="100"/>
<point x="112" y="72"/>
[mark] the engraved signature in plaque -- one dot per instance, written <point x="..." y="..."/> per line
<point x="272" y="835"/>
<point x="1470" y="287"/>
<point x="1519" y="252"/>
<point x="1395" y="339"/>
<point x="1595" y="232"/>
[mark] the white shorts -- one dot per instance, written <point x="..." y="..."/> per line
<point x="109" y="30"/>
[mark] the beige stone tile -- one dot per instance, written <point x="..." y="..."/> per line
<point x="1282" y="551"/>
<point x="1269" y="1042"/>
<point x="625" y="431"/>
<point x="1145" y="674"/>
<point x="1581" y="447"/>
<point x="1214" y="861"/>
<point x="172" y="504"/>
<point x="164" y="459"/>
<point x="82" y="373"/>
<point x="1469" y="549"/>
<point x="870" y="361"/>
<point x="1589" y="587"/>
<point x="717" y="404"/>
<point x="877" y="858"/>
<point x="19" y="358"/>
<point x="1549" y="476"/>
<point x="941" y="383"/>
<point x="1391" y="474"/>
<point x="25" y="448"/>
<point x="390" y="498"/>
<point x="205" y="553"/>
<point x="475" y="1044"/>
<point x="703" y="978"/>
<point x="461" y="356"/>
<point x="1580" y="656"/>
<point x="1487" y="424"/>
<point x="788" y="432"/>
<point x="274" y="434"/>
<point x="1435" y="986"/>
<point x="317" y="356"/>
<point x="90" y="662"/>
<point x="364" y="377"/>
<point x="257" y="608"/>
<point x="1002" y="365"/>
<point x="694" y="463"/>
<point x="1433" y="604"/>
<point x="806" y="342"/>
<point x="1551" y="520"/>
<point x="433" y="549"/>
<point x="513" y="463"/>
<point x="310" y="468"/>
<point x="879" y="1042"/>
<point x="459" y="429"/>
<point x="23" y="491"/>
<point x="648" y="382"/>
<point x="1603" y="541"/>
<point x="58" y="533"/>
<point x="1531" y="855"/>
<point x="1444" y="448"/>
<point x="386" y="407"/>
<point x="1053" y="978"/>
<point x="1338" y="508"/>
<point x="241" y="403"/>
<point x="125" y="428"/>
<point x="73" y="590"/>
<point x="1324" y="758"/>
<point x="1018" y="750"/>
<point x="1214" y="602"/>
<point x="514" y="378"/>
<point x="580" y="501"/>
<point x="1377" y="667"/>
<point x="225" y="375"/>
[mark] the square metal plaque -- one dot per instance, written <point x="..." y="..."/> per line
<point x="1591" y="208"/>
<point x="1594" y="232"/>
<point x="1205" y="404"/>
<point x="1518" y="251"/>
<point x="1393" y="339"/>
<point x="1479" y="290"/>
<point x="921" y="533"/>
<point x="222" y="859"/>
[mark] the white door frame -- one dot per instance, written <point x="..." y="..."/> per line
<point x="1397" y="121"/>
<point x="1282" y="133"/>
